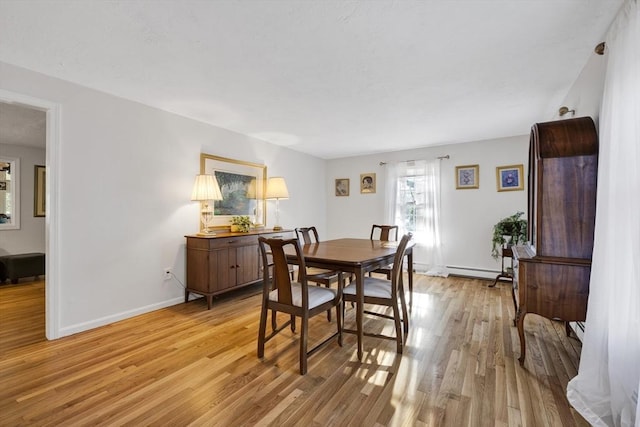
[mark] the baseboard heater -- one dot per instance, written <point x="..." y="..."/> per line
<point x="478" y="273"/>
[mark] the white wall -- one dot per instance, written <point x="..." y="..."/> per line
<point x="468" y="215"/>
<point x="585" y="95"/>
<point x="125" y="178"/>
<point x="30" y="236"/>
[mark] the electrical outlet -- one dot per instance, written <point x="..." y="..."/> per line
<point x="167" y="273"/>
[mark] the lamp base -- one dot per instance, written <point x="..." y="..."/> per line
<point x="277" y="228"/>
<point x="206" y="232"/>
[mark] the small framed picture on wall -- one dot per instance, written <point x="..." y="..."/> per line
<point x="467" y="177"/>
<point x="342" y="187"/>
<point x="368" y="183"/>
<point x="509" y="178"/>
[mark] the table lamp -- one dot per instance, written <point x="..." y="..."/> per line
<point x="277" y="190"/>
<point x="205" y="190"/>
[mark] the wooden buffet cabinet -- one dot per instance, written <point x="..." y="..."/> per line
<point x="226" y="261"/>
<point x="552" y="273"/>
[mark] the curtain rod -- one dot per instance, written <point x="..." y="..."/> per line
<point x="407" y="161"/>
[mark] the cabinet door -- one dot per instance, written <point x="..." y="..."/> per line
<point x="247" y="265"/>
<point x="222" y="271"/>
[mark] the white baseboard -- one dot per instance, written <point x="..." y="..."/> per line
<point x="81" y="327"/>
<point x="578" y="328"/>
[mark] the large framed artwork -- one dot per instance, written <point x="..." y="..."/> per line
<point x="509" y="178"/>
<point x="243" y="186"/>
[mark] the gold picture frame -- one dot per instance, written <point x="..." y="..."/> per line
<point x="510" y="178"/>
<point x="243" y="186"/>
<point x="467" y="177"/>
<point x="39" y="191"/>
<point x="368" y="183"/>
<point x="342" y="187"/>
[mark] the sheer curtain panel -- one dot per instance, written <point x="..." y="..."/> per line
<point x="412" y="201"/>
<point x="605" y="391"/>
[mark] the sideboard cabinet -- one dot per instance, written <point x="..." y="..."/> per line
<point x="226" y="261"/>
<point x="552" y="273"/>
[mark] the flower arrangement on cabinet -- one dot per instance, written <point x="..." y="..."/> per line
<point x="240" y="223"/>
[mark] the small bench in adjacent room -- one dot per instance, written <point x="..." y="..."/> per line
<point x="18" y="266"/>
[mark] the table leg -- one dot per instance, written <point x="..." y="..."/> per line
<point x="410" y="268"/>
<point x="359" y="308"/>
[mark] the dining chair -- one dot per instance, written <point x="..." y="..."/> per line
<point x="298" y="299"/>
<point x="388" y="293"/>
<point x="386" y="233"/>
<point x="309" y="235"/>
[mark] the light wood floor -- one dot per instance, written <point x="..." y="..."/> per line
<point x="185" y="365"/>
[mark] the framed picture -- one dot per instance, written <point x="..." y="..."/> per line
<point x="342" y="187"/>
<point x="368" y="183"/>
<point x="467" y="177"/>
<point x="509" y="178"/>
<point x="39" y="191"/>
<point x="243" y="186"/>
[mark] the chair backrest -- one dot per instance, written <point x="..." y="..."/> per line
<point x="398" y="261"/>
<point x="280" y="277"/>
<point x="387" y="233"/>
<point x="308" y="234"/>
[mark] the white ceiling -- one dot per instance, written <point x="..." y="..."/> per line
<point x="329" y="78"/>
<point x="21" y="125"/>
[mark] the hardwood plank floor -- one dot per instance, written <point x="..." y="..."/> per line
<point x="185" y="365"/>
<point x="21" y="314"/>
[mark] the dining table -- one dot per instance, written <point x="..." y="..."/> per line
<point x="355" y="256"/>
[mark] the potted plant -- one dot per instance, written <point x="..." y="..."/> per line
<point x="510" y="230"/>
<point x="240" y="223"/>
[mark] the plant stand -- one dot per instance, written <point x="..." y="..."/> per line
<point x="506" y="273"/>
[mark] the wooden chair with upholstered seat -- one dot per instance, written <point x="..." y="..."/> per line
<point x="309" y="235"/>
<point x="385" y="233"/>
<point x="298" y="299"/>
<point x="386" y="293"/>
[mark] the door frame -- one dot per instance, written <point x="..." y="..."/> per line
<point x="52" y="196"/>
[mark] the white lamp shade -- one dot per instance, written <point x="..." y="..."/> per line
<point x="206" y="188"/>
<point x="277" y="188"/>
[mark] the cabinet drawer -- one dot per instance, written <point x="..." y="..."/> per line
<point x="278" y="235"/>
<point x="232" y="242"/>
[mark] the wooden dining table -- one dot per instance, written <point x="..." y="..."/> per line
<point x="356" y="256"/>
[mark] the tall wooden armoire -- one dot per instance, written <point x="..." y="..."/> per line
<point x="552" y="273"/>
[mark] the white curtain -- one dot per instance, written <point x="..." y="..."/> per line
<point x="415" y="185"/>
<point x="605" y="391"/>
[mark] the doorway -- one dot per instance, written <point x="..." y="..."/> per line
<point x="51" y="162"/>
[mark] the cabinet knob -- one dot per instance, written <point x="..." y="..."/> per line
<point x="233" y="266"/>
<point x="231" y="241"/>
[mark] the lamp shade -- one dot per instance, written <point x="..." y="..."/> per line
<point x="206" y="188"/>
<point x="277" y="188"/>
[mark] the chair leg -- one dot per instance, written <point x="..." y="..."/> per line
<point x="339" y="314"/>
<point x="262" y="331"/>
<point x="405" y="313"/>
<point x="328" y="311"/>
<point x="293" y="323"/>
<point x="396" y="319"/>
<point x="303" y="343"/>
<point x="274" y="322"/>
